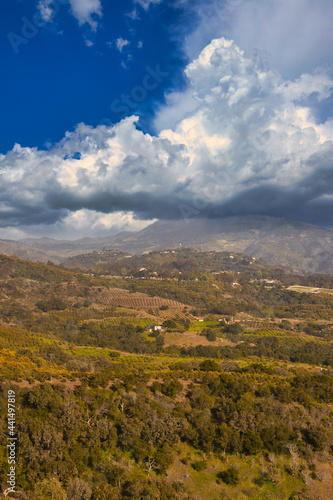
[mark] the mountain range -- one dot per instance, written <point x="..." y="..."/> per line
<point x="279" y="242"/>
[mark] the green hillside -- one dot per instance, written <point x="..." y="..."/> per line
<point x="231" y="399"/>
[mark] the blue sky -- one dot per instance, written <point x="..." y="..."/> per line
<point x="66" y="73"/>
<point x="116" y="114"/>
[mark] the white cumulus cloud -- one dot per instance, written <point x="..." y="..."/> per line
<point x="46" y="10"/>
<point x="86" y="11"/>
<point x="121" y="43"/>
<point x="239" y="139"/>
<point x="145" y="4"/>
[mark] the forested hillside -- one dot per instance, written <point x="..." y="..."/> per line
<point x="230" y="396"/>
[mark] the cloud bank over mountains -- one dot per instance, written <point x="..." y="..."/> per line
<point x="239" y="139"/>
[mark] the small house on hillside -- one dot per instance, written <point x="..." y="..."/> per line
<point x="154" y="328"/>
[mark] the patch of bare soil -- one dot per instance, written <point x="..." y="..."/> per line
<point x="322" y="487"/>
<point x="192" y="339"/>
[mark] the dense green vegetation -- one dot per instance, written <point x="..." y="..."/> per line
<point x="121" y="440"/>
<point x="231" y="399"/>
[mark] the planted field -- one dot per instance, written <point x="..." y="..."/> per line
<point x="86" y="313"/>
<point x="198" y="326"/>
<point x="286" y="336"/>
<point x="109" y="322"/>
<point x="274" y="333"/>
<point x="192" y="339"/>
<point x="309" y="289"/>
<point x="124" y="298"/>
<point x="174" y="313"/>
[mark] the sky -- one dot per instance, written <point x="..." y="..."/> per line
<point x="117" y="114"/>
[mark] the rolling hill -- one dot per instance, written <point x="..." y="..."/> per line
<point x="232" y="391"/>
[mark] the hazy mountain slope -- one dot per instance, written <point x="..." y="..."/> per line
<point x="279" y="242"/>
<point x="9" y="247"/>
<point x="45" y="249"/>
<point x="89" y="243"/>
<point x="299" y="246"/>
<point x="62" y="249"/>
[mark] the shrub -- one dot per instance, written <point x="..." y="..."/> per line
<point x="114" y="354"/>
<point x="171" y="390"/>
<point x="316" y="436"/>
<point x="156" y="386"/>
<point x="211" y="336"/>
<point x="209" y="365"/>
<point x="200" y="465"/>
<point x="54" y="304"/>
<point x="234" y="328"/>
<point x="50" y="488"/>
<point x="170" y="324"/>
<point x="78" y="489"/>
<point x="252" y="443"/>
<point x="229" y="476"/>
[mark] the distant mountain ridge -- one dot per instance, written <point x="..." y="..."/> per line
<point x="298" y="246"/>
